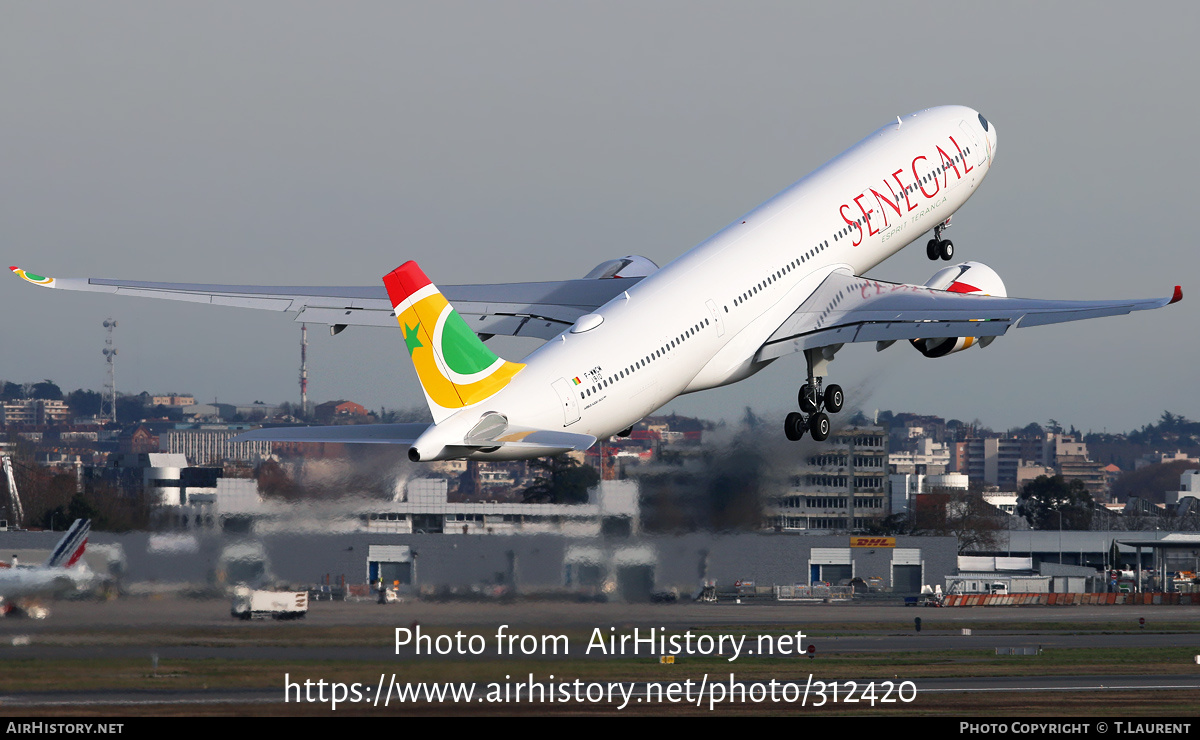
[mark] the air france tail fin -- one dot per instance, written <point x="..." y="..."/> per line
<point x="455" y="367"/>
<point x="70" y="548"/>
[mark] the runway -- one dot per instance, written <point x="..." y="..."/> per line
<point x="355" y="642"/>
<point x="179" y="612"/>
<point x="384" y="649"/>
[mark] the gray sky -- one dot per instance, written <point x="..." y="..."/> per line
<point x="318" y="143"/>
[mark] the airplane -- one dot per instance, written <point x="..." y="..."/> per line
<point x="629" y="337"/>
<point x="63" y="571"/>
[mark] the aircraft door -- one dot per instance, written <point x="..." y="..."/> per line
<point x="712" y="309"/>
<point x="566" y="397"/>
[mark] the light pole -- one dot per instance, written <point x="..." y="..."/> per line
<point x="1059" y="511"/>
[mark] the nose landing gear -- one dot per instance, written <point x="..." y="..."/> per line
<point x="939" y="247"/>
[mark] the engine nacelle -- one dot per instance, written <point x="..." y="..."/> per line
<point x="974" y="278"/>
<point x="624" y="267"/>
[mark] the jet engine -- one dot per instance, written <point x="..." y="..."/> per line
<point x="624" y="267"/>
<point x="974" y="278"/>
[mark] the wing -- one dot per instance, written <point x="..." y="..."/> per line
<point x="847" y="308"/>
<point x="541" y="310"/>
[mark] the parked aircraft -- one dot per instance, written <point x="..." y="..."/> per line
<point x="22" y="585"/>
<point x="629" y="337"/>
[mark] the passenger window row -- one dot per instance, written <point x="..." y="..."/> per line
<point x="925" y="180"/>
<point x="777" y="275"/>
<point x="645" y="361"/>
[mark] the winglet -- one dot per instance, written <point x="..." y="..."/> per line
<point x="1178" y="295"/>
<point x="47" y="282"/>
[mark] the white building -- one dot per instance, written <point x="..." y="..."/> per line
<point x="1189" y="486"/>
<point x="904" y="489"/>
<point x="1159" y="458"/>
<point x="612" y="509"/>
<point x="929" y="457"/>
<point x="1006" y="502"/>
<point x="844" y="486"/>
<point x="211" y="445"/>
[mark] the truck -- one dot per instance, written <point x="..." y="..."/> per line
<point x="254" y="604"/>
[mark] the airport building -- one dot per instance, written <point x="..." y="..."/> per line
<point x="635" y="568"/>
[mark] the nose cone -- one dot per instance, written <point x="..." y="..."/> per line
<point x="989" y="135"/>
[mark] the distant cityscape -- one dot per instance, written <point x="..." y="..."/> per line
<point x="168" y="462"/>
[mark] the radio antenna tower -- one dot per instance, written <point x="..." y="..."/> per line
<point x="303" y="371"/>
<point x="108" y="402"/>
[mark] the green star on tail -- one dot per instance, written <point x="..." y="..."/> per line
<point x="411" y="339"/>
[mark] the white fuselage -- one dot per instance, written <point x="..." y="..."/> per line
<point x="26" y="581"/>
<point x="699" y="321"/>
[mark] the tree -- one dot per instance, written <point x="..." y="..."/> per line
<point x="974" y="522"/>
<point x="1053" y="503"/>
<point x="1172" y="422"/>
<point x="411" y="415"/>
<point x="109" y="508"/>
<point x="561" y="480"/>
<point x="46" y="390"/>
<point x="84" y="403"/>
<point x="275" y="483"/>
<point x="963" y="515"/>
<point x="39" y="488"/>
<point x="130" y="409"/>
<point x="890" y="526"/>
<point x="1151" y="482"/>
<point x="79" y="507"/>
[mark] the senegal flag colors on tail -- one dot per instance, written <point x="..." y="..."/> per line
<point x="455" y="367"/>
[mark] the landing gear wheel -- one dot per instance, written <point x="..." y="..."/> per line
<point x="946" y="250"/>
<point x="807" y="404"/>
<point x="931" y="249"/>
<point x="793" y="426"/>
<point x="818" y="424"/>
<point x="834" y="398"/>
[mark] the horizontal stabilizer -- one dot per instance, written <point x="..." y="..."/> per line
<point x="407" y="434"/>
<point x="379" y="434"/>
<point x="532" y="438"/>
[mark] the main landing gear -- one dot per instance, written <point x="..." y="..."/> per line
<point x="814" y="404"/>
<point x="939" y="247"/>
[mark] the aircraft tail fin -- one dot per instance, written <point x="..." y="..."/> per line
<point x="455" y="367"/>
<point x="70" y="548"/>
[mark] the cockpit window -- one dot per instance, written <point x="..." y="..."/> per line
<point x="983" y="122"/>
